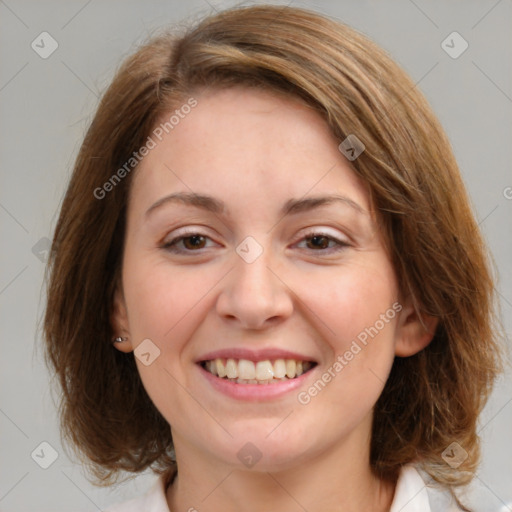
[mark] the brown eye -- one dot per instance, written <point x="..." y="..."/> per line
<point x="318" y="242"/>
<point x="322" y="243"/>
<point x="187" y="243"/>
<point x="194" y="242"/>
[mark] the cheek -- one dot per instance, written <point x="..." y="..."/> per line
<point x="166" y="305"/>
<point x="355" y="314"/>
<point x="357" y="322"/>
<point x="161" y="300"/>
<point x="350" y="300"/>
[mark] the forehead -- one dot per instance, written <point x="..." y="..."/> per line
<point x="246" y="143"/>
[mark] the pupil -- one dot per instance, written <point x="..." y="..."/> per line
<point x="193" y="241"/>
<point x="315" y="240"/>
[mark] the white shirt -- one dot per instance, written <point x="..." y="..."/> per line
<point x="411" y="495"/>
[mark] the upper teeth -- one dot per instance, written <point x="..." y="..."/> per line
<point x="260" y="371"/>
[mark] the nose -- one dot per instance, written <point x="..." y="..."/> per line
<point x="254" y="295"/>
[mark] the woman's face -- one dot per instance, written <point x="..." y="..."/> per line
<point x="267" y="259"/>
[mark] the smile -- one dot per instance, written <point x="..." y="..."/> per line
<point x="244" y="371"/>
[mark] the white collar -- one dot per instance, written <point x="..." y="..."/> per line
<point x="411" y="492"/>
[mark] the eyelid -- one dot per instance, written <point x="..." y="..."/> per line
<point x="192" y="229"/>
<point x="184" y="233"/>
<point x="326" y="231"/>
<point x="341" y="242"/>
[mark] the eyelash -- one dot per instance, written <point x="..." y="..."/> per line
<point x="171" y="245"/>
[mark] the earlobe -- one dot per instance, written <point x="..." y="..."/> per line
<point x="119" y="321"/>
<point x="414" y="332"/>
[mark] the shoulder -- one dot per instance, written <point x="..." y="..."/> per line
<point x="153" y="501"/>
<point x="416" y="492"/>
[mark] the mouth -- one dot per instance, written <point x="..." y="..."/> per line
<point x="245" y="371"/>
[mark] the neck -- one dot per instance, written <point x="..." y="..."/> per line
<point x="338" y="480"/>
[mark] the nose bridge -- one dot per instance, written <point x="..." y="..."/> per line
<point x="253" y="294"/>
<point x="252" y="265"/>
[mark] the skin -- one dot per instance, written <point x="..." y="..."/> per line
<point x="254" y="151"/>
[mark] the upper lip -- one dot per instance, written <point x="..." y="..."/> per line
<point x="254" y="355"/>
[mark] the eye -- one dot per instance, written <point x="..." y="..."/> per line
<point x="323" y="242"/>
<point x="186" y="242"/>
<point x="193" y="242"/>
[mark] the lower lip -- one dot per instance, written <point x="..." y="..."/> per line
<point x="254" y="392"/>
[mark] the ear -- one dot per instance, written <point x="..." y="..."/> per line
<point x="414" y="332"/>
<point x="119" y="322"/>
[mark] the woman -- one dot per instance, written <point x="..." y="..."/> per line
<point x="266" y="280"/>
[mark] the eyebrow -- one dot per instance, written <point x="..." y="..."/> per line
<point x="292" y="206"/>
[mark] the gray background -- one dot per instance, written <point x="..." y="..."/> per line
<point x="46" y="105"/>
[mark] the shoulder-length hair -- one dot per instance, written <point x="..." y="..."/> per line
<point x="430" y="399"/>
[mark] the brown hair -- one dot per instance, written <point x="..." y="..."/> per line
<point x="432" y="398"/>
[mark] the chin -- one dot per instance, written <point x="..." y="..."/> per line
<point x="261" y="452"/>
